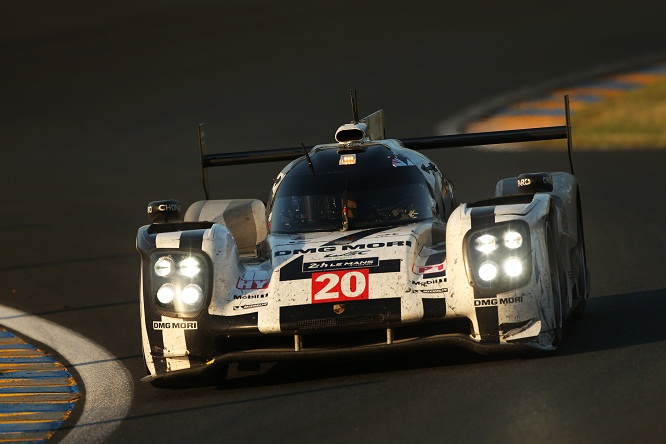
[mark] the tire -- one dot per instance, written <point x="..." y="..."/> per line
<point x="556" y="288"/>
<point x="582" y="289"/>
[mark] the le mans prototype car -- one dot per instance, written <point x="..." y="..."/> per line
<point x="362" y="247"/>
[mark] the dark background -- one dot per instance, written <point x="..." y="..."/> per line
<point x="98" y="111"/>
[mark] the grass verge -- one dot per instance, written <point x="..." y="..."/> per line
<point x="633" y="120"/>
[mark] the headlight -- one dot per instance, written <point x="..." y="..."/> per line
<point x="164" y="266"/>
<point x="488" y="271"/>
<point x="166" y="293"/>
<point x="486" y="243"/>
<point x="181" y="282"/>
<point x="513" y="267"/>
<point x="513" y="240"/>
<point x="191" y="294"/>
<point x="499" y="257"/>
<point x="189" y="267"/>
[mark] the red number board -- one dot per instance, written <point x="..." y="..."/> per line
<point x="340" y="285"/>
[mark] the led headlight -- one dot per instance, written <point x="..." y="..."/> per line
<point x="191" y="294"/>
<point x="513" y="267"/>
<point x="499" y="257"/>
<point x="513" y="240"/>
<point x="180" y="282"/>
<point x="166" y="293"/>
<point x="189" y="267"/>
<point x="164" y="266"/>
<point x="486" y="243"/>
<point x="488" y="271"/>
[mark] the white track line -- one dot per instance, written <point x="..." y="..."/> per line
<point x="108" y="384"/>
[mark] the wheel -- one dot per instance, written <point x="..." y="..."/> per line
<point x="582" y="288"/>
<point x="556" y="288"/>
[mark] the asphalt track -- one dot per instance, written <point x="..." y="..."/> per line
<point x="98" y="116"/>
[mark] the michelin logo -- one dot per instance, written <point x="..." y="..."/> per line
<point x="175" y="325"/>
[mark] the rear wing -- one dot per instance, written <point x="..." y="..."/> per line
<point x="417" y="143"/>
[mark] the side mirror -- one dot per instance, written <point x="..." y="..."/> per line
<point x="164" y="211"/>
<point x="535" y="183"/>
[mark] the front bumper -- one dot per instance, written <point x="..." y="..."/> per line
<point x="451" y="340"/>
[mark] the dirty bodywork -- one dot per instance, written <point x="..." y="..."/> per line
<point x="362" y="247"/>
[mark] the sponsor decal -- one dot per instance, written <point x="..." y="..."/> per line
<point x="165" y="207"/>
<point x="247" y="306"/>
<point x="427" y="269"/>
<point x="249" y="300"/>
<point x="397" y="233"/>
<point x="435" y="290"/>
<point x="250" y="296"/>
<point x="332" y="248"/>
<point x="527" y="181"/>
<point x="252" y="284"/>
<point x="341" y="264"/>
<point x="497" y="301"/>
<point x="429" y="282"/>
<point x="347" y="254"/>
<point x="401" y="161"/>
<point x="341" y="285"/>
<point x="175" y="325"/>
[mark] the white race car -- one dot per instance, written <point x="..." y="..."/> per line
<point x="362" y="247"/>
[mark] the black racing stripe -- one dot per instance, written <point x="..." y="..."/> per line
<point x="293" y="270"/>
<point x="434" y="308"/>
<point x="387" y="266"/>
<point x="350" y="238"/>
<point x="488" y="319"/>
<point x="488" y="316"/>
<point x="145" y="244"/>
<point x="155" y="337"/>
<point x="191" y="240"/>
<point x="482" y="217"/>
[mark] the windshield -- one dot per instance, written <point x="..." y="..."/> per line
<point x="352" y="199"/>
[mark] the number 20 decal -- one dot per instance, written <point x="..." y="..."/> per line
<point x="340" y="285"/>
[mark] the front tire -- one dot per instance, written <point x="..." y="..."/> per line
<point x="556" y="289"/>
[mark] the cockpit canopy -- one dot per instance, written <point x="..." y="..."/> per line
<point x="380" y="189"/>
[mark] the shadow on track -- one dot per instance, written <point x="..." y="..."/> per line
<point x="617" y="321"/>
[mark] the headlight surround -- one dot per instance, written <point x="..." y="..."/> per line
<point x="181" y="282"/>
<point x="499" y="257"/>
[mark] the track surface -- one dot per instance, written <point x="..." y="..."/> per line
<point x="98" y="115"/>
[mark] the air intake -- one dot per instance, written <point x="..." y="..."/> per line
<point x="351" y="132"/>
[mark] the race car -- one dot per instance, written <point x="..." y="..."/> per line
<point x="361" y="248"/>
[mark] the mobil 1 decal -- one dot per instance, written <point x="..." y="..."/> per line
<point x="340" y="285"/>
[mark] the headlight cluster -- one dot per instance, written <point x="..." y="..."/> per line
<point x="180" y="282"/>
<point x="499" y="257"/>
